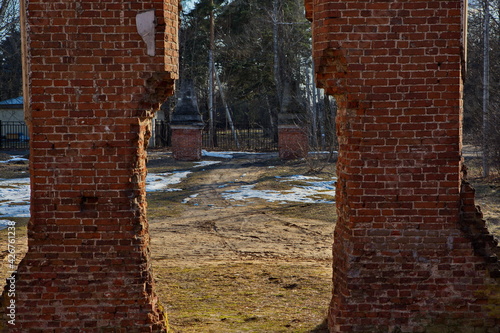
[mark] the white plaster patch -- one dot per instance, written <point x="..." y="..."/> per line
<point x="146" y="23"/>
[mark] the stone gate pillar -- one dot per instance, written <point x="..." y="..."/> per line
<point x="403" y="259"/>
<point x="94" y="73"/>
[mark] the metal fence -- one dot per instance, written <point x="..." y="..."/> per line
<point x="13" y="135"/>
<point x="248" y="138"/>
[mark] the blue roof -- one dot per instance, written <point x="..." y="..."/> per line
<point x="13" y="101"/>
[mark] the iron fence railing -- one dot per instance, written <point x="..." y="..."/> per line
<point x="13" y="135"/>
<point x="249" y="138"/>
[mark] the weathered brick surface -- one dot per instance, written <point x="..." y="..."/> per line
<point x="186" y="143"/>
<point x="90" y="90"/>
<point x="401" y="261"/>
<point x="293" y="142"/>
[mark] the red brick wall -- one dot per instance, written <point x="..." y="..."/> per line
<point x="401" y="261"/>
<point x="90" y="92"/>
<point x="186" y="143"/>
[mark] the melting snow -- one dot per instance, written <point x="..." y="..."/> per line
<point x="190" y="197"/>
<point x="226" y="154"/>
<point x="306" y="194"/>
<point x="14" y="199"/>
<point x="205" y="163"/>
<point x="15" y="159"/>
<point x="162" y="181"/>
<point x="15" y="193"/>
<point x="6" y="223"/>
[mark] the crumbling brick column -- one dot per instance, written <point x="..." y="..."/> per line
<point x="95" y="71"/>
<point x="402" y="262"/>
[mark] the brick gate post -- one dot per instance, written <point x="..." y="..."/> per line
<point x="402" y="261"/>
<point x="95" y="71"/>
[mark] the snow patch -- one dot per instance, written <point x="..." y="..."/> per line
<point x="295" y="194"/>
<point x="161" y="181"/>
<point x="186" y="200"/>
<point x="15" y="159"/>
<point x="205" y="163"/>
<point x="315" y="192"/>
<point x="225" y="154"/>
<point x="15" y="197"/>
<point x="4" y="224"/>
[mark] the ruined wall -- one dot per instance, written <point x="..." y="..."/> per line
<point x="403" y="260"/>
<point x="91" y="84"/>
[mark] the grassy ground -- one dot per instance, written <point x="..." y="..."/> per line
<point x="245" y="296"/>
<point x="487" y="192"/>
<point x="268" y="295"/>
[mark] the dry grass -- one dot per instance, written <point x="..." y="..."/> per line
<point x="487" y="192"/>
<point x="20" y="245"/>
<point x="273" y="295"/>
<point x="245" y="296"/>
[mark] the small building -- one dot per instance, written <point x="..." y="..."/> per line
<point x="13" y="129"/>
<point x="12" y="110"/>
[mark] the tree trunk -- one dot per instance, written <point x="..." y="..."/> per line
<point x="277" y="77"/>
<point x="211" y="71"/>
<point x="486" y="88"/>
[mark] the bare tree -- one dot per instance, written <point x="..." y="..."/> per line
<point x="486" y="87"/>
<point x="482" y="84"/>
<point x="9" y="17"/>
<point x="10" y="50"/>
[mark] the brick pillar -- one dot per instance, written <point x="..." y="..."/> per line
<point x="91" y="85"/>
<point x="186" y="142"/>
<point x="401" y="261"/>
<point x="187" y="126"/>
<point x="293" y="139"/>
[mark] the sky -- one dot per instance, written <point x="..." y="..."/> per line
<point x="189" y="4"/>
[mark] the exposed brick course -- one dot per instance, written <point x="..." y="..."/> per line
<point x="402" y="263"/>
<point x="90" y="92"/>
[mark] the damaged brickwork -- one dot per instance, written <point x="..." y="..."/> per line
<point x="411" y="253"/>
<point x="91" y="86"/>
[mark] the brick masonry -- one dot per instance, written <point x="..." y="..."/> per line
<point x="187" y="142"/>
<point x="91" y="86"/>
<point x="293" y="142"/>
<point x="411" y="253"/>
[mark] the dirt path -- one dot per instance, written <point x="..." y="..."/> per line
<point x="214" y="228"/>
<point x="242" y="266"/>
<point x="229" y="266"/>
